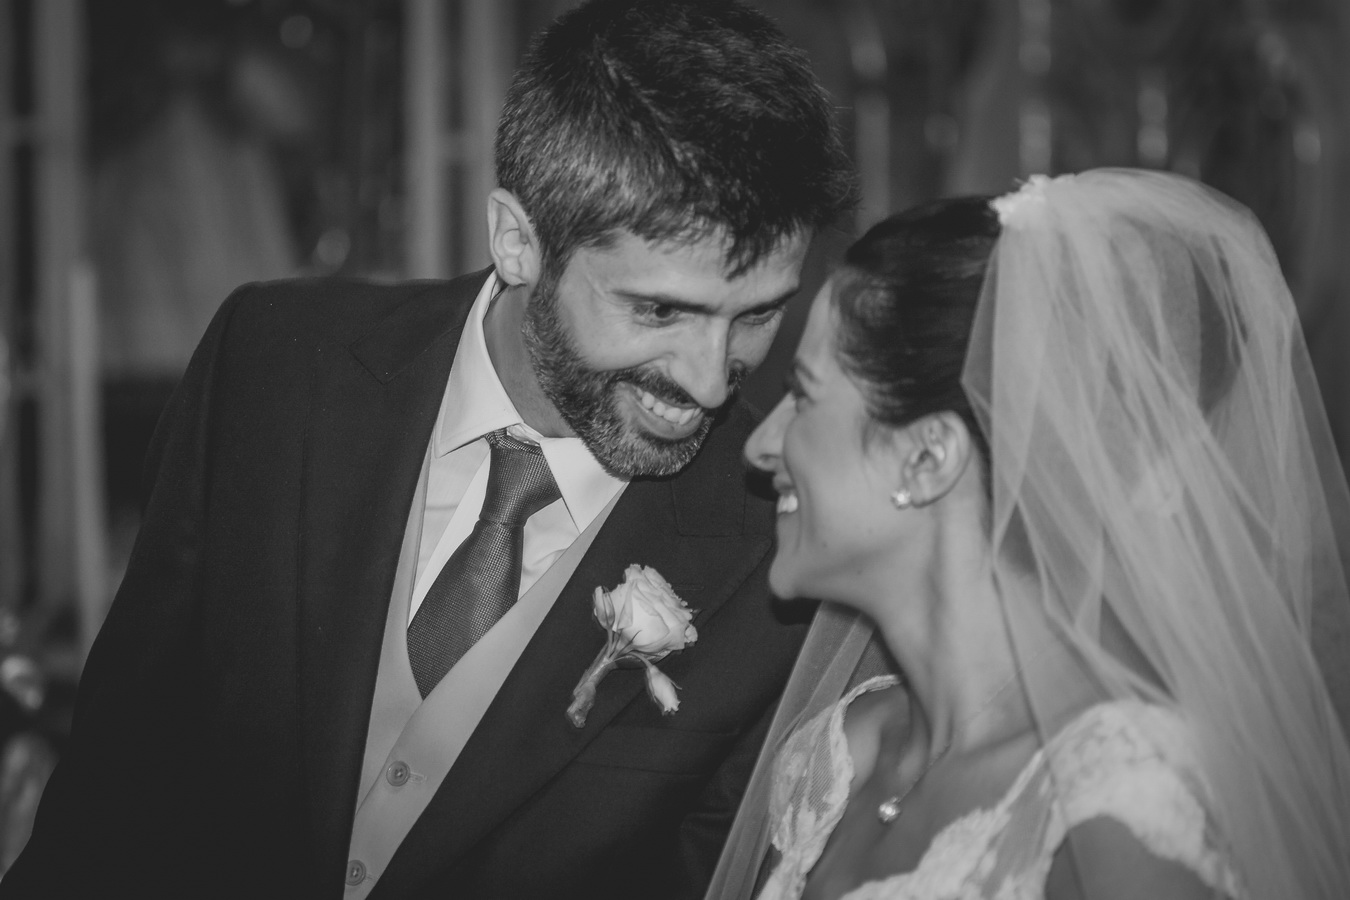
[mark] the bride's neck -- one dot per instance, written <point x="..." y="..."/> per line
<point x="945" y="624"/>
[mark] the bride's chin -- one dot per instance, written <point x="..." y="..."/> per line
<point x="781" y="582"/>
<point x="788" y="582"/>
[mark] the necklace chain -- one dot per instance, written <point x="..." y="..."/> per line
<point x="889" y="809"/>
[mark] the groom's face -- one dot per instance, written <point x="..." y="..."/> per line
<point x="638" y="344"/>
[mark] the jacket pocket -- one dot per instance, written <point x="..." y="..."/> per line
<point x="670" y="750"/>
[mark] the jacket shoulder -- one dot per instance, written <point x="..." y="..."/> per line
<point x="343" y="309"/>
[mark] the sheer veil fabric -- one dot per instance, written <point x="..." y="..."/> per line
<point x="840" y="651"/>
<point x="1164" y="484"/>
<point x="1166" y="491"/>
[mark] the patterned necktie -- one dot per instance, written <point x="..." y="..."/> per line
<point x="481" y="580"/>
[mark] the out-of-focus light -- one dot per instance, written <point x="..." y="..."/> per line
<point x="333" y="247"/>
<point x="1036" y="137"/>
<point x="1307" y="144"/>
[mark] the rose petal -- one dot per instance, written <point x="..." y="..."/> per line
<point x="603" y="608"/>
<point x="650" y="619"/>
<point x="662" y="690"/>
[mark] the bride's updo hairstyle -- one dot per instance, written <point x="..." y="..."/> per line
<point x="905" y="298"/>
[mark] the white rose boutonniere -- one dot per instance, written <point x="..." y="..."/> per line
<point x="644" y="622"/>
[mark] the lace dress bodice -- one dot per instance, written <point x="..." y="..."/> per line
<point x="1126" y="760"/>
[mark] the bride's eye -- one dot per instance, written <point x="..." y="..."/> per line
<point x="792" y="385"/>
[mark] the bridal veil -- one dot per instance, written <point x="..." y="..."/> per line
<point x="1165" y="488"/>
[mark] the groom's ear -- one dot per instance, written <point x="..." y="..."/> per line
<point x="939" y="453"/>
<point x="512" y="241"/>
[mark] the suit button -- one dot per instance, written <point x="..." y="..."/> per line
<point x="356" y="872"/>
<point x="397" y="773"/>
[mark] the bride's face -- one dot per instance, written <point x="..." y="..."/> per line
<point x="835" y="517"/>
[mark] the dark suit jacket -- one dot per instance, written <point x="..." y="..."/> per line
<point x="220" y="724"/>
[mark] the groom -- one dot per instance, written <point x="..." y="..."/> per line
<point x="324" y="674"/>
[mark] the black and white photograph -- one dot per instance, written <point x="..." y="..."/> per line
<point x="675" y="449"/>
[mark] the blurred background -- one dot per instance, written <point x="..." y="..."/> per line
<point x="156" y="153"/>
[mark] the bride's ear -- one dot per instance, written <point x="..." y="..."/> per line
<point x="939" y="452"/>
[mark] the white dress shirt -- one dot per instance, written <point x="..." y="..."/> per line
<point x="475" y="403"/>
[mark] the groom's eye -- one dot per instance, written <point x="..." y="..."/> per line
<point x="763" y="316"/>
<point x="657" y="313"/>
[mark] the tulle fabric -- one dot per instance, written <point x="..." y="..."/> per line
<point x="1164" y="484"/>
<point x="840" y="652"/>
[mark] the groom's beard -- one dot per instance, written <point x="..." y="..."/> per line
<point x="588" y="399"/>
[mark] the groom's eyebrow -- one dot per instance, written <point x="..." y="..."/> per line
<point x="695" y="306"/>
<point x="670" y="300"/>
<point x="773" y="305"/>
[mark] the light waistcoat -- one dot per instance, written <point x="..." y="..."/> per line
<point x="412" y="743"/>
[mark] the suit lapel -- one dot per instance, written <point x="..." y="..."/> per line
<point x="524" y="738"/>
<point x="374" y="403"/>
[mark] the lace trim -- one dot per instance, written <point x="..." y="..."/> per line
<point x="810" y="791"/>
<point x="1133" y="762"/>
<point x="1127" y="760"/>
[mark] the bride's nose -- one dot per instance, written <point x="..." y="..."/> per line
<point x="765" y="446"/>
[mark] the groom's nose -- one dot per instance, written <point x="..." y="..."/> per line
<point x="702" y="366"/>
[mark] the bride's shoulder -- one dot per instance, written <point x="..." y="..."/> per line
<point x="868" y="705"/>
<point x="859" y="702"/>
<point x="1128" y="772"/>
<point x="818" y="750"/>
<point x="870" y="686"/>
<point x="1129" y="760"/>
<point x="1126" y="722"/>
<point x="1123" y="740"/>
<point x="826" y="731"/>
<point x="868" y="714"/>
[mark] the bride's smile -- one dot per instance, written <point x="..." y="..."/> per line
<point x="832" y="475"/>
<point x="1083" y="669"/>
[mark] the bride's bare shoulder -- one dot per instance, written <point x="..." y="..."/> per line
<point x="1103" y="860"/>
<point x="869" y="717"/>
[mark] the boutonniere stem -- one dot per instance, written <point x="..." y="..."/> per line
<point x="644" y="622"/>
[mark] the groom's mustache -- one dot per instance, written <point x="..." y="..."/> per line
<point x="670" y="393"/>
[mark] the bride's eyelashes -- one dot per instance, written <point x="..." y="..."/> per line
<point x="793" y="387"/>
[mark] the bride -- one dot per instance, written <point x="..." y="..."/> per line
<point x="1064" y="452"/>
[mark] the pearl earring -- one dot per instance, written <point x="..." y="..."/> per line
<point x="902" y="499"/>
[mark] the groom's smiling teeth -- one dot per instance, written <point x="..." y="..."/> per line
<point x="787" y="503"/>
<point x="672" y="414"/>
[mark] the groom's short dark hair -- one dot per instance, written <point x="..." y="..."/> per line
<point x="676" y="120"/>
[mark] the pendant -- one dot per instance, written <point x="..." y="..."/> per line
<point x="889" y="810"/>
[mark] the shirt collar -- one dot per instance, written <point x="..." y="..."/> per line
<point x="475" y="403"/>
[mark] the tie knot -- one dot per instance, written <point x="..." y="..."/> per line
<point x="519" y="481"/>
